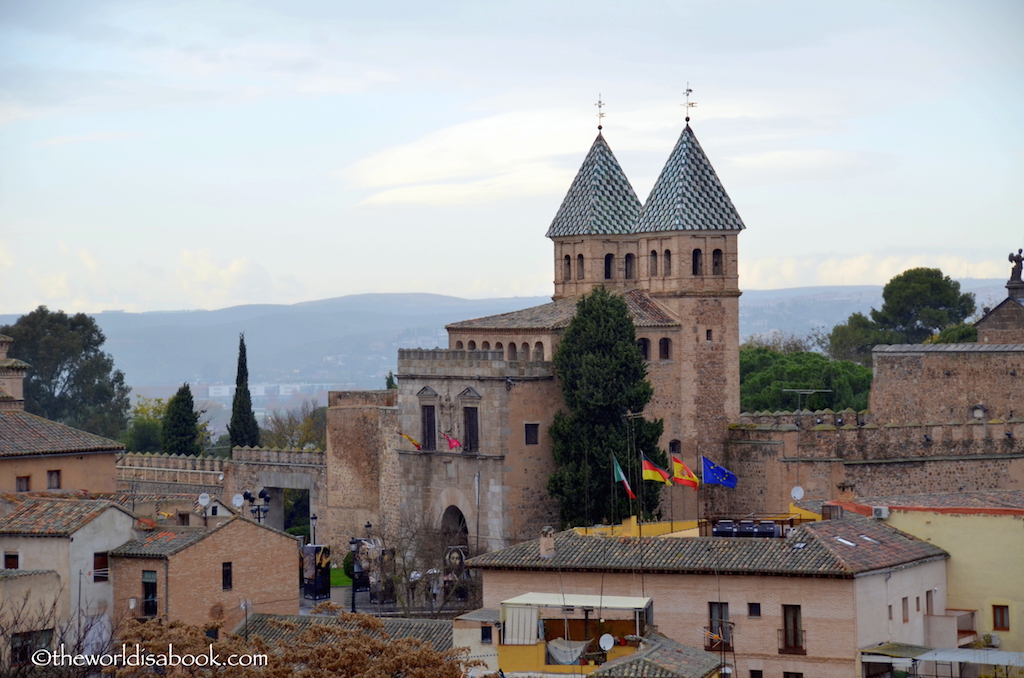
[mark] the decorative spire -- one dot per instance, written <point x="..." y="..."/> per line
<point x="688" y="103"/>
<point x="600" y="113"/>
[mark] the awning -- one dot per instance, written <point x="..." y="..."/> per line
<point x="971" y="656"/>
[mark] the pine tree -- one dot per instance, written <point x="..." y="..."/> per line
<point x="603" y="378"/>
<point x="180" y="434"/>
<point x="244" y="430"/>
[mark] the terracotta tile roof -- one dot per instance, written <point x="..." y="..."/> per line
<point x="811" y="550"/>
<point x="986" y="499"/>
<point x="53" y="517"/>
<point x="600" y="199"/>
<point x="437" y="632"/>
<point x="22" y="433"/>
<point x="644" y="310"/>
<point x="15" y="574"/>
<point x="661" y="657"/>
<point x="948" y="348"/>
<point x="159" y="544"/>
<point x="688" y="195"/>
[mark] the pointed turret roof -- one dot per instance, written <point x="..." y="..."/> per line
<point x="688" y="195"/>
<point x="600" y="199"/>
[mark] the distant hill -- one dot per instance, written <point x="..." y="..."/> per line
<point x="353" y="340"/>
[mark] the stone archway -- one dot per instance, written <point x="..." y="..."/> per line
<point x="454" y="529"/>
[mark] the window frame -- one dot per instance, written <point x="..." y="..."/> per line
<point x="100" y="567"/>
<point x="23" y="483"/>
<point x="533" y="428"/>
<point x="754" y="610"/>
<point x="1000" y="617"/>
<point x="226" y="576"/>
<point x="53" y="479"/>
<point x="16" y="555"/>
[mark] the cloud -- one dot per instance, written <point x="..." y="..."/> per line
<point x="86" y="138"/>
<point x="783" y="166"/>
<point x="861" y="269"/>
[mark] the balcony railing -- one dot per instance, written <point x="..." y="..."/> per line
<point x="717" y="639"/>
<point x="792" y="641"/>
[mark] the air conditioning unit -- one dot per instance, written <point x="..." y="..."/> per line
<point x="880" y="512"/>
<point x="993" y="639"/>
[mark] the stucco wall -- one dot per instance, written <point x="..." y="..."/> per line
<point x="90" y="472"/>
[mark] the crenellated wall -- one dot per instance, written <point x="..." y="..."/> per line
<point x="773" y="453"/>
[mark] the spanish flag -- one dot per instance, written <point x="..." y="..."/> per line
<point x="655" y="473"/>
<point x="412" y="440"/>
<point x="682" y="474"/>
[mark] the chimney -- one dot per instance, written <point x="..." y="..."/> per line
<point x="12" y="378"/>
<point x="547" y="542"/>
<point x="847" y="492"/>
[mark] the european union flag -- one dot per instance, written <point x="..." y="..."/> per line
<point x="717" y="475"/>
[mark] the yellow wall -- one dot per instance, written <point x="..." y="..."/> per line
<point x="531" y="658"/>
<point x="985" y="567"/>
<point x="629" y="528"/>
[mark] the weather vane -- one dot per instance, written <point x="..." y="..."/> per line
<point x="600" y="113"/>
<point x="689" y="104"/>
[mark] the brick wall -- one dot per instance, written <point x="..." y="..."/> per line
<point x="260" y="560"/>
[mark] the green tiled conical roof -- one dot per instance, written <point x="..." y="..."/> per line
<point x="600" y="199"/>
<point x="688" y="195"/>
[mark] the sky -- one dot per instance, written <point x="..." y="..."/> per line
<point x="159" y="155"/>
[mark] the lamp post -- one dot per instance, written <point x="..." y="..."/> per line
<point x="258" y="512"/>
<point x="353" y="545"/>
<point x="312" y="524"/>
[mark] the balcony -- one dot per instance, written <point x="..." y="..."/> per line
<point x="717" y="639"/>
<point x="792" y="641"/>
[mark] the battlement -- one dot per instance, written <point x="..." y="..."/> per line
<point x="415" y="362"/>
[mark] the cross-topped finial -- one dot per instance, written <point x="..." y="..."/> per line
<point x="689" y="104"/>
<point x="600" y="113"/>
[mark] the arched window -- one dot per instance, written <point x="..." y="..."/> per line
<point x="654" y="263"/>
<point x="513" y="352"/>
<point x="567" y="268"/>
<point x="666" y="266"/>
<point x="458" y="345"/>
<point x="579" y="267"/>
<point x="630" y="267"/>
<point x="486" y="346"/>
<point x="538" y="351"/>
<point x="524" y="351"/>
<point x="609" y="266"/>
<point x="645" y="348"/>
<point x="698" y="262"/>
<point x="499" y="347"/>
<point x="472" y="346"/>
<point x="665" y="349"/>
<point x="717" y="267"/>
<point x="675" y="447"/>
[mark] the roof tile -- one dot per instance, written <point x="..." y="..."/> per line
<point x="53" y="517"/>
<point x="22" y="433"/>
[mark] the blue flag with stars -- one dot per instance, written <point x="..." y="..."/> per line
<point x="717" y="475"/>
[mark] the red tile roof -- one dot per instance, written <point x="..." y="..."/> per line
<point x="53" y="517"/>
<point x="837" y="548"/>
<point x="22" y="434"/>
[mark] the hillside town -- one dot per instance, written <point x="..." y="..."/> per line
<point x="884" y="541"/>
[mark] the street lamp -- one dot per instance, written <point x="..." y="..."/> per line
<point x="353" y="545"/>
<point x="258" y="512"/>
<point x="312" y="524"/>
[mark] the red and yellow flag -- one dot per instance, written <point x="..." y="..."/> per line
<point x="682" y="474"/>
<point x="653" y="472"/>
<point x="412" y="440"/>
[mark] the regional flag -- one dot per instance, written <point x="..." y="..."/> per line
<point x="716" y="475"/>
<point x="682" y="474"/>
<point x="452" y="442"/>
<point x="619" y="475"/>
<point x="653" y="472"/>
<point x="412" y="440"/>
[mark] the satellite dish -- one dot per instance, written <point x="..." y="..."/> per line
<point x="204" y="499"/>
<point x="237" y="501"/>
<point x="607" y="642"/>
<point x="797" y="493"/>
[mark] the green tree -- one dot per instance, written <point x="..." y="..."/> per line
<point x="921" y="302"/>
<point x="390" y="382"/>
<point x="603" y="379"/>
<point x="917" y="304"/>
<point x="180" y="433"/>
<point x="961" y="333"/>
<point x="145" y="425"/>
<point x="300" y="428"/>
<point x="71" y="380"/>
<point x="765" y="373"/>
<point x="244" y="430"/>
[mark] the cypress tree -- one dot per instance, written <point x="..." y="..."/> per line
<point x="603" y="379"/>
<point x="243" y="429"/>
<point x="180" y="431"/>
